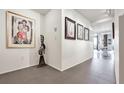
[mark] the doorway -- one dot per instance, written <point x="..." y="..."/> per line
<point x="103" y="53"/>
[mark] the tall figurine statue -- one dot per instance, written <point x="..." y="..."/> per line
<point x="42" y="52"/>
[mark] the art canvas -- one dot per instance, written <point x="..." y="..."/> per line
<point x="86" y="33"/>
<point x="80" y="31"/>
<point x="20" y="31"/>
<point x="70" y="28"/>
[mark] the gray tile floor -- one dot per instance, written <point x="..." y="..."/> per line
<point x="99" y="70"/>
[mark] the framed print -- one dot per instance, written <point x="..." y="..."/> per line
<point x="20" y="31"/>
<point x="70" y="28"/>
<point x="113" y="30"/>
<point x="80" y="31"/>
<point x="86" y="34"/>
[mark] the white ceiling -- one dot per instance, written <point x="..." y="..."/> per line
<point x="42" y="11"/>
<point x="93" y="15"/>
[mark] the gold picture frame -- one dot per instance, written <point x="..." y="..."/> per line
<point x="20" y="31"/>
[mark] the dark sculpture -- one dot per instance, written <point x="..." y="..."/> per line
<point x="42" y="52"/>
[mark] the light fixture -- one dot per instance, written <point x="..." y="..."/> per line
<point x="110" y="12"/>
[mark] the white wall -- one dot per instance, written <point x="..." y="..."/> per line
<point x="53" y="38"/>
<point x="119" y="51"/>
<point x="60" y="54"/>
<point x="75" y="51"/>
<point x="14" y="59"/>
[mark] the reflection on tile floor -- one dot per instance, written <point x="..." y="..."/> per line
<point x="103" y="64"/>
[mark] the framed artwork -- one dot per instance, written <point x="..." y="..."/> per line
<point x="70" y="29"/>
<point x="20" y="31"/>
<point x="80" y="32"/>
<point x="86" y="34"/>
<point x="113" y="30"/>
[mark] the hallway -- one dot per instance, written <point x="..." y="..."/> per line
<point x="103" y="66"/>
<point x="99" y="70"/>
<point x="61" y="46"/>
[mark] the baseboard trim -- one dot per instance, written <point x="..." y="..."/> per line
<point x="54" y="67"/>
<point x="76" y="64"/>
<point x="7" y="72"/>
<point x="48" y="65"/>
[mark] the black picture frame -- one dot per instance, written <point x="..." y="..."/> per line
<point x="79" y="28"/>
<point x="113" y="30"/>
<point x="86" y="34"/>
<point x="72" y="23"/>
